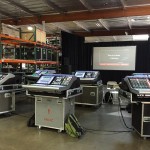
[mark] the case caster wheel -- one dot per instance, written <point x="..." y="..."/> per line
<point x="59" y="131"/>
<point x="39" y="127"/>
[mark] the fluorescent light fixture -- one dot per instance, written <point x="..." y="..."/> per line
<point x="30" y="28"/>
<point x="143" y="37"/>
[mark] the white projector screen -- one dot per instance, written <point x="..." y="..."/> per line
<point x="114" y="58"/>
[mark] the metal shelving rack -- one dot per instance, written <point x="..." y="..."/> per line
<point x="8" y="40"/>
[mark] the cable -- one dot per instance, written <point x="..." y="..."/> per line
<point x="107" y="131"/>
<point x="123" y="117"/>
<point x="96" y="130"/>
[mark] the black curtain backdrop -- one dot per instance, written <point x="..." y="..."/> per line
<point x="73" y="52"/>
<point x="142" y="59"/>
<point x="78" y="55"/>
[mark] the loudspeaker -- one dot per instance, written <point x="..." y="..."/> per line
<point x="66" y="69"/>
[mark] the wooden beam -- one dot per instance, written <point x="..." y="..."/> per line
<point x="85" y="15"/>
<point x="114" y="32"/>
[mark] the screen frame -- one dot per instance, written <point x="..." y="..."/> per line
<point x="124" y="69"/>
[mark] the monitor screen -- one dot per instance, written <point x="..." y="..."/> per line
<point x="114" y="58"/>
<point x="80" y="74"/>
<point x="43" y="72"/>
<point x="58" y="80"/>
<point x="45" y="80"/>
<point x="38" y="71"/>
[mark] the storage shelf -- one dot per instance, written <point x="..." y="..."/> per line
<point x="13" y="40"/>
<point x="6" y="39"/>
<point x="27" y="61"/>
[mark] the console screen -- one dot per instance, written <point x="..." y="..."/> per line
<point x="37" y="72"/>
<point x="58" y="80"/>
<point x="80" y="74"/>
<point x="45" y="80"/>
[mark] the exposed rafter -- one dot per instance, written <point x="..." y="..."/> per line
<point x="12" y="2"/>
<point x="81" y="25"/>
<point x="103" y="24"/>
<point x="86" y="15"/>
<point x="114" y="38"/>
<point x="114" y="32"/>
<point x="6" y="14"/>
<point x="61" y="26"/>
<point x="123" y="4"/>
<point x="54" y="6"/>
<point x="86" y="5"/>
<point x="129" y="23"/>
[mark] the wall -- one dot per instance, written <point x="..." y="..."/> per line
<point x="78" y="56"/>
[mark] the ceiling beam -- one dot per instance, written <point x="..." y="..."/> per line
<point x="20" y="6"/>
<point x="81" y="25"/>
<point x="123" y="4"/>
<point x="61" y="26"/>
<point x="86" y="5"/>
<point x="114" y="38"/>
<point x="114" y="32"/>
<point x="6" y="14"/>
<point x="86" y="15"/>
<point x="129" y="22"/>
<point x="54" y="6"/>
<point x="103" y="24"/>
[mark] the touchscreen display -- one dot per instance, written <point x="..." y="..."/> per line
<point x="38" y="72"/>
<point x="45" y="80"/>
<point x="80" y="74"/>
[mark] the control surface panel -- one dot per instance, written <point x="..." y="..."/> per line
<point x="88" y="76"/>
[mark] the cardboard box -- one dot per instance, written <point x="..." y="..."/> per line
<point x="36" y="35"/>
<point x="10" y="30"/>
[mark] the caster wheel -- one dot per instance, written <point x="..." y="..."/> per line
<point x="59" y="131"/>
<point x="39" y="127"/>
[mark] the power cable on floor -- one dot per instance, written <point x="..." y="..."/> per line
<point x="123" y="116"/>
<point x="94" y="131"/>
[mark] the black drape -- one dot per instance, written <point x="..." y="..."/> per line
<point x="77" y="55"/>
<point x="72" y="52"/>
<point x="142" y="59"/>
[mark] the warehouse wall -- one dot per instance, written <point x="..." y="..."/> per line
<point x="79" y="56"/>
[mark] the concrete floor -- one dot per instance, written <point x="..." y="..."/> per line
<point x="105" y="132"/>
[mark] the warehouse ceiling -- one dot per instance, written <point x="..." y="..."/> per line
<point x="96" y="20"/>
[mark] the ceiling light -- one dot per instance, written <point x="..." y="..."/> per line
<point x="30" y="28"/>
<point x="132" y="20"/>
<point x="143" y="37"/>
<point x="148" y="17"/>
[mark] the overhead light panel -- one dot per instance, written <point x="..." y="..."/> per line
<point x="30" y="28"/>
<point x="143" y="37"/>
